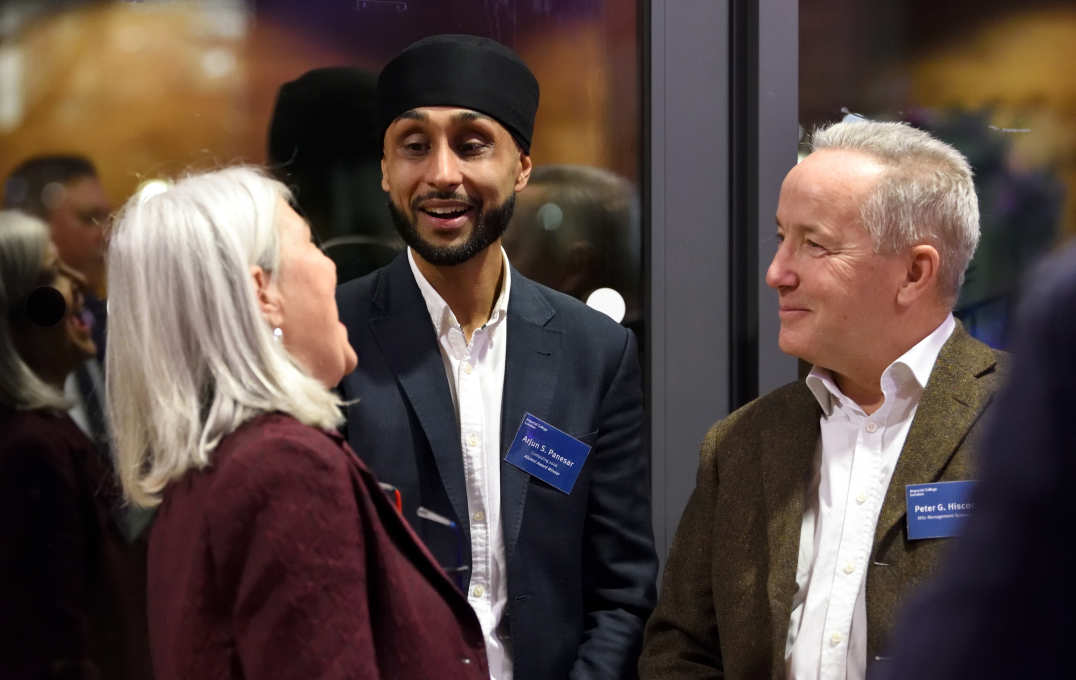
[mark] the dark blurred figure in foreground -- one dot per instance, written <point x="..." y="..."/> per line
<point x="72" y="589"/>
<point x="65" y="192"/>
<point x="576" y="230"/>
<point x="323" y="144"/>
<point x="1004" y="604"/>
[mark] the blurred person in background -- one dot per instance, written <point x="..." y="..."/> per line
<point x="72" y="589"/>
<point x="576" y="229"/>
<point x="274" y="552"/>
<point x="65" y="192"/>
<point x="323" y="144"/>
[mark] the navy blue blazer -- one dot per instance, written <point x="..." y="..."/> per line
<point x="581" y="566"/>
<point x="1004" y="601"/>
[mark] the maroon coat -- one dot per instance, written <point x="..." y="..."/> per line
<point x="284" y="559"/>
<point x="72" y="590"/>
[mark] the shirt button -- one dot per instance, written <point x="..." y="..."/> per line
<point x="835" y="639"/>
<point x="467" y="368"/>
<point x="872" y="427"/>
<point x="478" y="591"/>
<point x="479" y="516"/>
<point x="849" y="568"/>
<point x="465" y="661"/>
<point x="472" y="439"/>
<point x="861" y="498"/>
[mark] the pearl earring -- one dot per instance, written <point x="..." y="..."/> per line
<point x="278" y="334"/>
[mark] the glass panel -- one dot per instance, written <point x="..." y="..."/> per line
<point x="149" y="89"/>
<point x="989" y="77"/>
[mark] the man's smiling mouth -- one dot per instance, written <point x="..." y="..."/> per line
<point x="446" y="213"/>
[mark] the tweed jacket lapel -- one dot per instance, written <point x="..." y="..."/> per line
<point x="402" y="327"/>
<point x="788" y="453"/>
<point x="952" y="402"/>
<point x="530" y="377"/>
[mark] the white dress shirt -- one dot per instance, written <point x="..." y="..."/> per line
<point x="857" y="453"/>
<point x="475" y="374"/>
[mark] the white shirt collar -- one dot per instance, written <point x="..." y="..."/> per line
<point x="441" y="314"/>
<point x="911" y="369"/>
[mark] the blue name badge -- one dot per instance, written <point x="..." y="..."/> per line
<point x="551" y="455"/>
<point x="938" y="510"/>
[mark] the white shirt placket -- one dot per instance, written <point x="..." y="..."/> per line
<point x="854" y="545"/>
<point x="475" y="375"/>
<point x="472" y="432"/>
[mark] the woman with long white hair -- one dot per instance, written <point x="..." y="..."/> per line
<point x="71" y="601"/>
<point x="274" y="553"/>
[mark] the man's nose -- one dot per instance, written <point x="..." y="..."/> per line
<point x="780" y="273"/>
<point x="444" y="167"/>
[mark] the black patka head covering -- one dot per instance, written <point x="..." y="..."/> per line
<point x="467" y="71"/>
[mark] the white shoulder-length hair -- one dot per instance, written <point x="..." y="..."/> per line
<point x="190" y="357"/>
<point x="24" y="242"/>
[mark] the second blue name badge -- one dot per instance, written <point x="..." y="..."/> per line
<point x="938" y="509"/>
<point x="551" y="455"/>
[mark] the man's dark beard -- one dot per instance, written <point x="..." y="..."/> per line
<point x="489" y="226"/>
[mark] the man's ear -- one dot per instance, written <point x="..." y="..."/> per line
<point x="269" y="301"/>
<point x="921" y="274"/>
<point x="525" y="167"/>
<point x="384" y="175"/>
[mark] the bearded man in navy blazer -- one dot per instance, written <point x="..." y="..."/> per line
<point x="455" y="346"/>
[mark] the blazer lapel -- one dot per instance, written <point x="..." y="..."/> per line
<point x="788" y="453"/>
<point x="530" y="377"/>
<point x="952" y="401"/>
<point x="404" y="332"/>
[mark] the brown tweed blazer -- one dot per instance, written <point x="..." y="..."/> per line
<point x="731" y="574"/>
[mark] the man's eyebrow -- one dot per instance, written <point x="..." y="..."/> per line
<point x="413" y="114"/>
<point x="808" y="229"/>
<point x="469" y="116"/>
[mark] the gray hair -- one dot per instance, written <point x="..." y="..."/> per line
<point x="24" y="241"/>
<point x="926" y="195"/>
<point x="190" y="357"/>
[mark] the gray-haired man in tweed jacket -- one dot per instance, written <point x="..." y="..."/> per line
<point x="793" y="555"/>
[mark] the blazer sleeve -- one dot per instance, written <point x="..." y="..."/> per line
<point x="288" y="551"/>
<point x="619" y="562"/>
<point x="681" y="637"/>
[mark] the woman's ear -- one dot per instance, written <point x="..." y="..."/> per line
<point x="269" y="300"/>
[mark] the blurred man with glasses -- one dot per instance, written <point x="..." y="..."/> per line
<point x="65" y="191"/>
